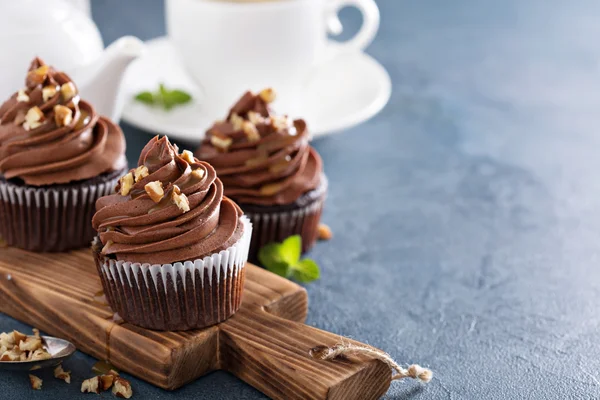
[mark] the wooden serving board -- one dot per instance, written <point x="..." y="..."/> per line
<point x="265" y="343"/>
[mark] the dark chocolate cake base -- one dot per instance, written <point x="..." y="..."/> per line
<point x="52" y="218"/>
<point x="201" y="302"/>
<point x="276" y="223"/>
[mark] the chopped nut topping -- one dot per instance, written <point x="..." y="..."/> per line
<point x="48" y="92"/>
<point x="198" y="173"/>
<point x="141" y="172"/>
<point x="33" y="118"/>
<point x="236" y="121"/>
<point x="60" y="373"/>
<point x="36" y="383"/>
<point x="280" y="122"/>
<point x="188" y="156"/>
<point x="270" y="189"/>
<point x="180" y="199"/>
<point x="268" y="95"/>
<point x="22" y="96"/>
<point x="126" y="183"/>
<point x="324" y="232"/>
<point x="107" y="246"/>
<point x="251" y="131"/>
<point x="92" y="385"/>
<point x="255" y="118"/>
<point x="68" y="91"/>
<point x="220" y="141"/>
<point x="37" y="76"/>
<point x="63" y="116"/>
<point x="155" y="191"/>
<point x="122" y="388"/>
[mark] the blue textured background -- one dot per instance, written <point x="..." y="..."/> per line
<point x="466" y="215"/>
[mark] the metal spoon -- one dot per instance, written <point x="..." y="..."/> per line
<point x="59" y="349"/>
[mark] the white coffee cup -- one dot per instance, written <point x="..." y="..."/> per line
<point x="230" y="47"/>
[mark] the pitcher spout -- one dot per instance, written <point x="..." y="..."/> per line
<point x="100" y="82"/>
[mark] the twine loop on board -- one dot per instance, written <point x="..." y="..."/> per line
<point x="414" y="371"/>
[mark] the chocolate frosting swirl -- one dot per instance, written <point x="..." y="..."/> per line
<point x="136" y="228"/>
<point x="262" y="158"/>
<point x="65" y="141"/>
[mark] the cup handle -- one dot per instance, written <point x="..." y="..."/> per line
<point x="368" y="30"/>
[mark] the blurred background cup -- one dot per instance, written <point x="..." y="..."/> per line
<point x="229" y="46"/>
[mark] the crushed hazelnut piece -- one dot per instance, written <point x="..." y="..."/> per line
<point x="155" y="191"/>
<point x="198" y="173"/>
<point x="60" y="373"/>
<point x="220" y="141"/>
<point x="68" y="91"/>
<point x="10" y="355"/>
<point x="63" y="116"/>
<point x="18" y="337"/>
<point x="107" y="246"/>
<point x="48" y="92"/>
<point x="92" y="385"/>
<point x="250" y="131"/>
<point x="180" y="199"/>
<point x="122" y="388"/>
<point x="22" y="96"/>
<point x="280" y="122"/>
<point x="255" y="118"/>
<point x="188" y="156"/>
<point x="36" y="383"/>
<point x="39" y="354"/>
<point x="33" y="118"/>
<point x="30" y="344"/>
<point x="270" y="189"/>
<point x="126" y="183"/>
<point x="141" y="172"/>
<point x="107" y="381"/>
<point x="236" y="121"/>
<point x="324" y="232"/>
<point x="37" y="76"/>
<point x="268" y="95"/>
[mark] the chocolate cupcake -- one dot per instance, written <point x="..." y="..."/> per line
<point x="57" y="157"/>
<point x="268" y="167"/>
<point x="171" y="248"/>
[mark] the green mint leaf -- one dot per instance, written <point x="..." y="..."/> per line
<point x="306" y="271"/>
<point x="165" y="97"/>
<point x="290" y="250"/>
<point x="279" y="268"/>
<point x="162" y="89"/>
<point x="269" y="254"/>
<point x="145" y="97"/>
<point x="179" y="96"/>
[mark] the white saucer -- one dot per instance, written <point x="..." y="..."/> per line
<point x="346" y="91"/>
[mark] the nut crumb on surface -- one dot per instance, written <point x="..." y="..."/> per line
<point x="92" y="385"/>
<point x="60" y="373"/>
<point x="122" y="388"/>
<point x="36" y="383"/>
<point x="324" y="232"/>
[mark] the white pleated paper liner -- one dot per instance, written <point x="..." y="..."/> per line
<point x="269" y="227"/>
<point x="179" y="296"/>
<point x="51" y="219"/>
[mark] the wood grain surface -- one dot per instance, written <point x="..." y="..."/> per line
<point x="265" y="344"/>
